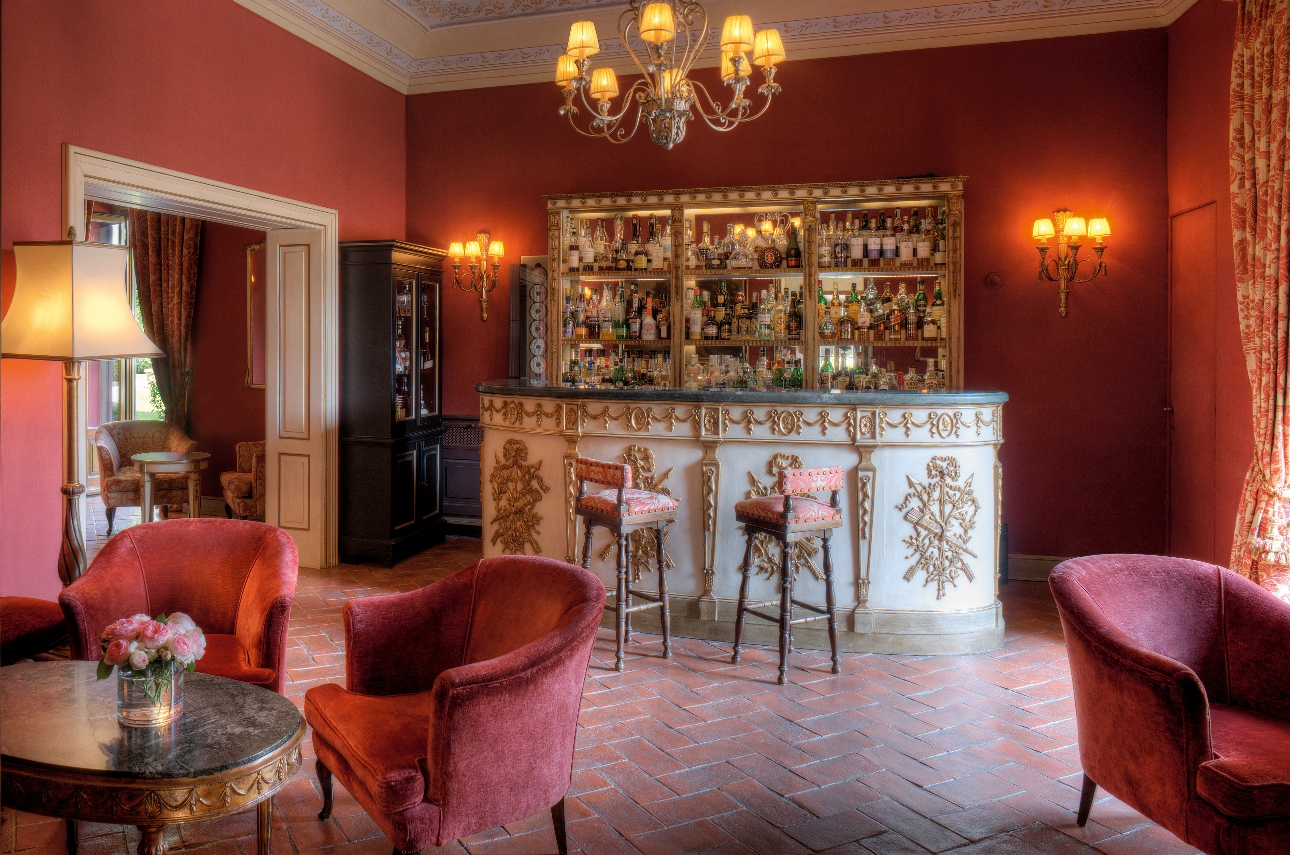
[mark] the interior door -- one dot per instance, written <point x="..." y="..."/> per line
<point x="1193" y="373"/>
<point x="295" y="444"/>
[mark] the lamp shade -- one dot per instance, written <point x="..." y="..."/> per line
<point x="768" y="48"/>
<point x="456" y="250"/>
<point x="737" y="34"/>
<point x="728" y="70"/>
<point x="566" y="69"/>
<point x="1043" y="229"/>
<point x="1075" y="227"/>
<point x="657" y="24"/>
<point x="472" y="249"/>
<point x="582" y="40"/>
<point x="70" y="301"/>
<point x="496" y="249"/>
<point x="604" y="84"/>
<point x="1099" y="228"/>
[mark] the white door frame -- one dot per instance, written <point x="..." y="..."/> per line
<point x="94" y="175"/>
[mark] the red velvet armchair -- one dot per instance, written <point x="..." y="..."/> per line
<point x="235" y="579"/>
<point x="461" y="700"/>
<point x="1181" y="674"/>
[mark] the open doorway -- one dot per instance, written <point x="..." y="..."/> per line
<point x="301" y="324"/>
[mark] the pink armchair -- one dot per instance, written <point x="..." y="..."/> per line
<point x="121" y="480"/>
<point x="235" y="579"/>
<point x="244" y="489"/>
<point x="461" y="702"/>
<point x="1181" y="676"/>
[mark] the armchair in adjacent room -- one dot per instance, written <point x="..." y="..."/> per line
<point x="235" y="579"/>
<point x="1181" y="675"/>
<point x="121" y="480"/>
<point x="461" y="701"/>
<point x="244" y="489"/>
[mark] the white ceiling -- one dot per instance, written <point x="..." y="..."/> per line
<point x="435" y="45"/>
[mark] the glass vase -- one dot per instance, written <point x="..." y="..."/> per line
<point x="149" y="697"/>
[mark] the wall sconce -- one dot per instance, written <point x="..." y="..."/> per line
<point x="480" y="253"/>
<point x="1069" y="229"/>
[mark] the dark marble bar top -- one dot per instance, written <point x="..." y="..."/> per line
<point x="737" y="396"/>
<point x="56" y="715"/>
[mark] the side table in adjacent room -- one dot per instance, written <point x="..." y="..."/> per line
<point x="154" y="463"/>
<point x="65" y="755"/>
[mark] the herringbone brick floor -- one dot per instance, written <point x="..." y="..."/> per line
<point x="973" y="755"/>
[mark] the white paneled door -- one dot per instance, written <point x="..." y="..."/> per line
<point x="295" y="440"/>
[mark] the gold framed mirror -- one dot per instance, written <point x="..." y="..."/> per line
<point x="255" y="309"/>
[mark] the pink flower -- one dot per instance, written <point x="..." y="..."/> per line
<point x="154" y="634"/>
<point x="117" y="652"/>
<point x="139" y="660"/>
<point x="198" y="641"/>
<point x="126" y="629"/>
<point x="180" y="648"/>
<point x="180" y="622"/>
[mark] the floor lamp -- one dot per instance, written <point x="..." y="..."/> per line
<point x="71" y="302"/>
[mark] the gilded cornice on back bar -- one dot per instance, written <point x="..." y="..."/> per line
<point x="778" y="194"/>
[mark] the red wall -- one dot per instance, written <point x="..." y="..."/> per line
<point x="222" y="410"/>
<point x="206" y="87"/>
<point x="1085" y="452"/>
<point x="1200" y="56"/>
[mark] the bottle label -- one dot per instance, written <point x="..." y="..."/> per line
<point x="938" y="257"/>
<point x="924" y="249"/>
<point x="889" y="246"/>
<point x="906" y="251"/>
<point x="875" y="247"/>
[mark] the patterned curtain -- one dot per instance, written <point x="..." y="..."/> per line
<point x="1260" y="164"/>
<point x="166" y="249"/>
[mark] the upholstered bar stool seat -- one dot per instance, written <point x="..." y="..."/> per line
<point x="624" y="511"/>
<point x="791" y="515"/>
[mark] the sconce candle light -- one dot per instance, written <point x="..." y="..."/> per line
<point x="1069" y="230"/>
<point x="480" y="253"/>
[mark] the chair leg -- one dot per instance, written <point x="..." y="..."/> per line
<point x="627" y="590"/>
<point x="743" y="598"/>
<point x="662" y="592"/>
<point x="785" y="608"/>
<point x="557" y="820"/>
<point x="111" y="518"/>
<point x="1086" y="801"/>
<point x="73" y="837"/>
<point x="586" y="545"/>
<point x="228" y="512"/>
<point x="830" y="603"/>
<point x="620" y="605"/>
<point x="324" y="783"/>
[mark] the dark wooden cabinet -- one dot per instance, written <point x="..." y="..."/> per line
<point x="391" y="427"/>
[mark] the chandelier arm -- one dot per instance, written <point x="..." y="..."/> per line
<point x="625" y="21"/>
<point x="597" y="118"/>
<point x="1099" y="265"/>
<point x="722" y="119"/>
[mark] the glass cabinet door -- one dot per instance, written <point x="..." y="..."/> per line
<point x="404" y="347"/>
<point x="428" y="347"/>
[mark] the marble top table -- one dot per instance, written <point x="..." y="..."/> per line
<point x="64" y="754"/>
<point x="154" y="463"/>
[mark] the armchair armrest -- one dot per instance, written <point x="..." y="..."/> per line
<point x="400" y="643"/>
<point x="112" y="588"/>
<point x="264" y="610"/>
<point x="503" y="730"/>
<point x="257" y="475"/>
<point x="109" y="455"/>
<point x="1256" y="625"/>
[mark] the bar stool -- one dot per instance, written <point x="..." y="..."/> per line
<point x="789" y="516"/>
<point x="623" y="510"/>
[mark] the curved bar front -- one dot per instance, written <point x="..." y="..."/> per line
<point x="915" y="563"/>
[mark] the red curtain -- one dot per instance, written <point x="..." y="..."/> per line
<point x="1260" y="154"/>
<point x="166" y="250"/>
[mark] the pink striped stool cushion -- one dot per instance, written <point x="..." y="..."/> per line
<point x="638" y="502"/>
<point x="771" y="509"/>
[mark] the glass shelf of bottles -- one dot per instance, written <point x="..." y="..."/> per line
<point x="404" y="336"/>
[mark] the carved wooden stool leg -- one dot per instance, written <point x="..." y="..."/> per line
<point x="557" y="819"/>
<point x="830" y="603"/>
<point x="263" y="826"/>
<point x="324" y="783"/>
<point x="620" y="606"/>
<point x="73" y="837"/>
<point x="153" y="840"/>
<point x="785" y="608"/>
<point x="1085" y="801"/>
<point x="662" y="591"/>
<point x="743" y="597"/>
<point x="627" y="589"/>
<point x="586" y="544"/>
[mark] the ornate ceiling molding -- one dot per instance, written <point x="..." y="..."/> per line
<point x="973" y="22"/>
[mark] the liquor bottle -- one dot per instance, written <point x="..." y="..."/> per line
<point x="655" y="245"/>
<point x="796" y="377"/>
<point x="649" y="327"/>
<point x="822" y="306"/>
<point x="937" y="311"/>
<point x="622" y="260"/>
<point x="826" y="372"/>
<point x="567" y="325"/>
<point x="873" y="242"/>
<point x="824" y="247"/>
<point x="710" y="331"/>
<point x="580" y="318"/>
<point x="920" y="310"/>
<point x="904" y="242"/>
<point x="664" y="319"/>
<point x="607" y="314"/>
<point x="828" y="327"/>
<point x="574" y="254"/>
<point x="634" y="314"/>
<point x="666" y="242"/>
<point x="863" y="319"/>
<point x="620" y="315"/>
<point x="855" y="242"/>
<point x="705" y="247"/>
<point x="779" y="315"/>
<point x="793" y="254"/>
<point x="694" y="317"/>
<point x="889" y="314"/>
<point x="690" y="256"/>
<point x="794" y="319"/>
<point x="777" y="377"/>
<point x="836" y="309"/>
<point x="846" y="328"/>
<point x="923" y="244"/>
<point x="938" y="254"/>
<point x="586" y="248"/>
<point x="853" y="306"/>
<point x="903" y="309"/>
<point x="593" y="317"/>
<point x="842" y="245"/>
<point x="725" y="327"/>
<point x="888" y="239"/>
<point x="640" y="260"/>
<point x="765" y="319"/>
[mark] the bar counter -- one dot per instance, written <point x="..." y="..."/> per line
<point x="915" y="564"/>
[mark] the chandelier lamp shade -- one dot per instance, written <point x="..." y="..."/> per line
<point x="71" y="302"/>
<point x="1063" y="268"/>
<point x="665" y="38"/>
<point x="479" y="253"/>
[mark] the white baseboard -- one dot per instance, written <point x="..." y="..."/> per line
<point x="1031" y="568"/>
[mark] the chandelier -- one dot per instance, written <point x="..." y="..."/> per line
<point x="672" y="35"/>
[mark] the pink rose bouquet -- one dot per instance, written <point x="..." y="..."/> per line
<point x="156" y="646"/>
